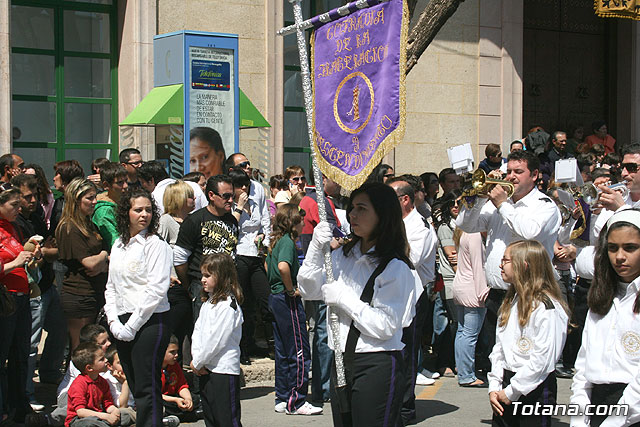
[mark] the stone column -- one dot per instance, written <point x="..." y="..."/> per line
<point x="135" y="70"/>
<point x="5" y="78"/>
<point x="274" y="82"/>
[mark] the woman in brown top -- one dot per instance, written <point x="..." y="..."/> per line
<point x="81" y="250"/>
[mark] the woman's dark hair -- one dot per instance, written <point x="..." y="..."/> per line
<point x="279" y="182"/>
<point x="390" y="234"/>
<point x="68" y="170"/>
<point x="442" y="210"/>
<point x="378" y="173"/>
<point x="285" y="221"/>
<point x="239" y="177"/>
<point x="605" y="279"/>
<point x="193" y="177"/>
<point x="122" y="214"/>
<point x="43" y="185"/>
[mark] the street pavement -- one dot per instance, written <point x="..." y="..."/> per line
<point x="442" y="404"/>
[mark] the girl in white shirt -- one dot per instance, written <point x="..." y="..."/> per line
<point x="136" y="301"/>
<point x="375" y="374"/>
<point x="608" y="363"/>
<point x="530" y="335"/>
<point x="215" y="343"/>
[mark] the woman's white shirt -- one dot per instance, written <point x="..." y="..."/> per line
<point x="215" y="343"/>
<point x="610" y="353"/>
<point x="139" y="277"/>
<point x="392" y="306"/>
<point x="530" y="351"/>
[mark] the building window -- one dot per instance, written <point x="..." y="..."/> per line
<point x="296" y="140"/>
<point x="64" y="81"/>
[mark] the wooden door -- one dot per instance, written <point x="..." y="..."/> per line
<point x="567" y="65"/>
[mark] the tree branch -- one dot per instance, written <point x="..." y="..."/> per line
<point x="431" y="20"/>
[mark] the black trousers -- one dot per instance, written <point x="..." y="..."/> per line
<point x="578" y="317"/>
<point x="606" y="394"/>
<point x="180" y="315"/>
<point x="545" y="393"/>
<point x="412" y="338"/>
<point x="376" y="391"/>
<point x="487" y="337"/>
<point x="256" y="290"/>
<point x="141" y="361"/>
<point x="220" y="397"/>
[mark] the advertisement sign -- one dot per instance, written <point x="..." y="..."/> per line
<point x="211" y="105"/>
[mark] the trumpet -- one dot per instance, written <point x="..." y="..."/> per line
<point x="565" y="213"/>
<point x="590" y="194"/>
<point x="480" y="185"/>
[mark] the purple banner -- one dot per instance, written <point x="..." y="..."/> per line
<point x="358" y="70"/>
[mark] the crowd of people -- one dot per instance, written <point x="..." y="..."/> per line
<point x="136" y="276"/>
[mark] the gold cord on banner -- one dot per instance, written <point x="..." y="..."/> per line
<point x="629" y="9"/>
<point x="351" y="182"/>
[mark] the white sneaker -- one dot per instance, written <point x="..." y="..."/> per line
<point x="422" y="380"/>
<point x="171" y="421"/>
<point x="306" y="409"/>
<point x="37" y="406"/>
<point x="280" y="407"/>
<point x="427" y="373"/>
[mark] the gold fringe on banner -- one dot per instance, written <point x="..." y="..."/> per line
<point x="351" y="182"/>
<point x="629" y="9"/>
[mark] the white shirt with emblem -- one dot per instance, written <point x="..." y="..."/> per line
<point x="215" y="343"/>
<point x="534" y="217"/>
<point x="392" y="306"/>
<point x="610" y="353"/>
<point x="530" y="351"/>
<point x="423" y="244"/>
<point x="139" y="277"/>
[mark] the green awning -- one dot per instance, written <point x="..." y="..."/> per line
<point x="164" y="105"/>
<point x="250" y="117"/>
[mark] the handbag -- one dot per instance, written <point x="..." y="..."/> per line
<point x="344" y="393"/>
<point x="7" y="302"/>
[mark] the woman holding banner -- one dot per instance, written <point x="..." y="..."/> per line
<point x="374" y="297"/>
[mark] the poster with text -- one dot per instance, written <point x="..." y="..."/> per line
<point x="211" y="108"/>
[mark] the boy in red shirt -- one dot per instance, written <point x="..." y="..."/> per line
<point x="175" y="390"/>
<point x="90" y="403"/>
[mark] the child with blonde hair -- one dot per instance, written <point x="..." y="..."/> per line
<point x="531" y="331"/>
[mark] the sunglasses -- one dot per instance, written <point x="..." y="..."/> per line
<point x="139" y="162"/>
<point x="630" y="167"/>
<point x="244" y="164"/>
<point x="224" y="196"/>
<point x="298" y="178"/>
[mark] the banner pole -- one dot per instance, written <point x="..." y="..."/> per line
<point x="332" y="317"/>
<point x="330" y="16"/>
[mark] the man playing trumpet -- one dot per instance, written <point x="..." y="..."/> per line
<point x="527" y="214"/>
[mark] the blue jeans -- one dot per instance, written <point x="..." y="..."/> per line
<point x="46" y="313"/>
<point x="15" y="331"/>
<point x="321" y="355"/>
<point x="469" y="324"/>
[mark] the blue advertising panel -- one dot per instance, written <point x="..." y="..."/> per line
<point x="206" y="64"/>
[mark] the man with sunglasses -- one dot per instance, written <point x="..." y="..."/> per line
<point x="210" y="230"/>
<point x="629" y="168"/>
<point x="131" y="159"/>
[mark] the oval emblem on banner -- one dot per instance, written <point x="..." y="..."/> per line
<point x="350" y="104"/>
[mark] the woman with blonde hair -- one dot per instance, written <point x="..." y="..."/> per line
<point x="178" y="201"/>
<point x="530" y="335"/>
<point x="82" y="251"/>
